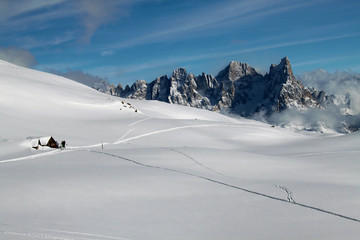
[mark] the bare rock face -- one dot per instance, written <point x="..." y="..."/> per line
<point x="239" y="88"/>
<point x="183" y="90"/>
<point x="159" y="89"/>
<point x="180" y="84"/>
<point x="138" y="90"/>
<point x="115" y="91"/>
<point x="207" y="86"/>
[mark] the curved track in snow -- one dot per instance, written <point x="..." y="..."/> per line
<point x="197" y="162"/>
<point x="121" y="140"/>
<point x="168" y="130"/>
<point x="289" y="193"/>
<point x="49" y="153"/>
<point x="230" y="185"/>
<point x="51" y="234"/>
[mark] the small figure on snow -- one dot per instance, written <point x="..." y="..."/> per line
<point x="62" y="145"/>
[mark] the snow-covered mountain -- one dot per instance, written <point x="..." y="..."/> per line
<point x="149" y="170"/>
<point x="238" y="88"/>
<point x="241" y="90"/>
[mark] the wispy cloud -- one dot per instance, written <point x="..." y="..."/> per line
<point x="216" y="16"/>
<point x="293" y="43"/>
<point x="107" y="53"/>
<point x="10" y="8"/>
<point x="31" y="42"/>
<point x="18" y="56"/>
<point x="25" y="15"/>
<point x="175" y="61"/>
<point x="218" y="54"/>
<point x="38" y="14"/>
<point x="274" y="46"/>
<point x="324" y="60"/>
<point x="95" y="13"/>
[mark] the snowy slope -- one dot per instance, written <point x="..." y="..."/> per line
<point x="166" y="171"/>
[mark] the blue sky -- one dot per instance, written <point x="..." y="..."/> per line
<point x="128" y="40"/>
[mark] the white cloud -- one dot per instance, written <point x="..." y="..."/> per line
<point x="325" y="120"/>
<point x="341" y="83"/>
<point x="18" y="56"/>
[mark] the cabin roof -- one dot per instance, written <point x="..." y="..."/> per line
<point x="44" y="140"/>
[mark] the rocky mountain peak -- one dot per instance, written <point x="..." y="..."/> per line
<point x="283" y="69"/>
<point x="236" y="70"/>
<point x="285" y="62"/>
<point x="287" y="92"/>
<point x="179" y="74"/>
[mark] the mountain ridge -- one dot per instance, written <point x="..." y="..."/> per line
<point x="238" y="88"/>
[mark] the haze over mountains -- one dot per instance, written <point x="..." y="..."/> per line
<point x="276" y="97"/>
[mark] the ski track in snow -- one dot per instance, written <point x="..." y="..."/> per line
<point x="230" y="185"/>
<point x="131" y="127"/>
<point x="122" y="140"/>
<point x="57" y="151"/>
<point x="202" y="165"/>
<point x="141" y="120"/>
<point x="319" y="153"/>
<point x="168" y="130"/>
<point x="51" y="234"/>
<point x="288" y="192"/>
<point x="35" y="235"/>
<point x="125" y="134"/>
<point x="96" y="236"/>
<point x="197" y="162"/>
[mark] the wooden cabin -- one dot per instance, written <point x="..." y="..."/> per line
<point x="49" y="142"/>
<point x="46" y="142"/>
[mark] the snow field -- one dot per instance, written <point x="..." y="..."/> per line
<point x="166" y="171"/>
